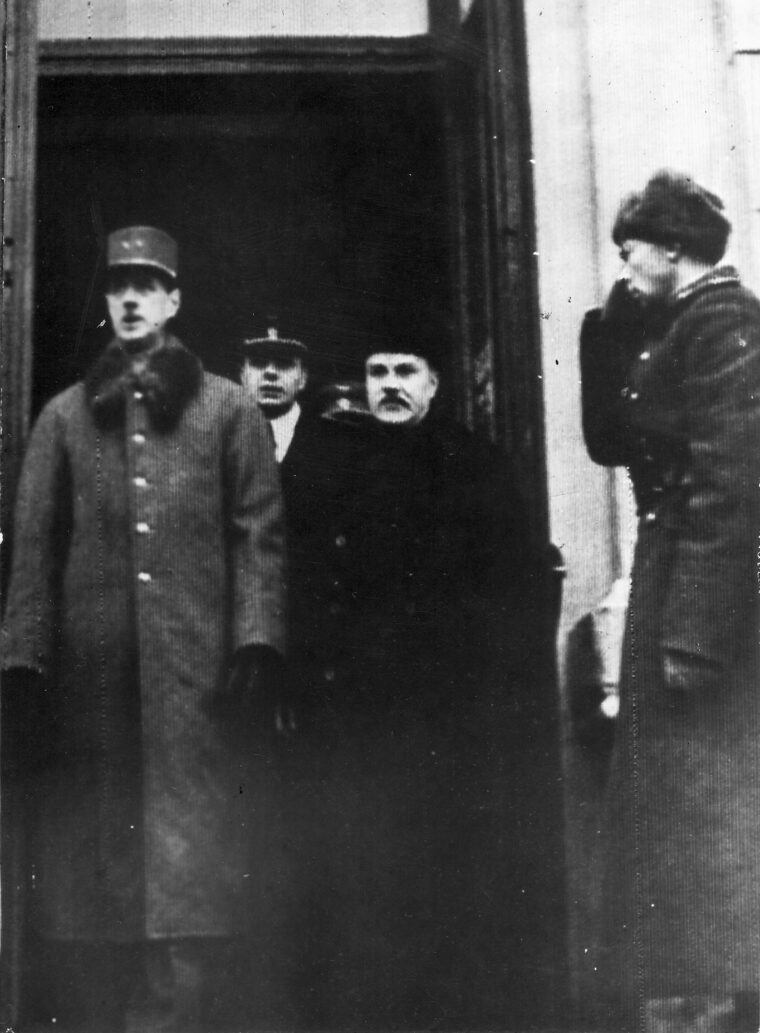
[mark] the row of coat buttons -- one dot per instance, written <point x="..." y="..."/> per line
<point x="626" y="391"/>
<point x="141" y="482"/>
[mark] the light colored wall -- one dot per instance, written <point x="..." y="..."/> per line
<point x="136" y="19"/>
<point x="581" y="507"/>
<point x="618" y="90"/>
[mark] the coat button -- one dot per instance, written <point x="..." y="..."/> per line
<point x="329" y="674"/>
<point x="140" y="482"/>
<point x="138" y="396"/>
<point x="340" y="541"/>
<point x="142" y="528"/>
<point x="144" y="576"/>
<point x="650" y="517"/>
<point x="138" y="439"/>
<point x="634" y="395"/>
<point x="624" y="392"/>
<point x="644" y="356"/>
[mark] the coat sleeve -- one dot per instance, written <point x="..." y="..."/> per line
<point x="713" y="591"/>
<point x="609" y="339"/>
<point x="39" y="547"/>
<point x="256" y="531"/>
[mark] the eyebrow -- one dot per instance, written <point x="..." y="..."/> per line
<point x="376" y="368"/>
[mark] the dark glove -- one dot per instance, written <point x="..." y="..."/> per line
<point x="256" y="690"/>
<point x="621" y="307"/>
<point x="689" y="672"/>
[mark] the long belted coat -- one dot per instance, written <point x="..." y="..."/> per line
<point x="148" y="547"/>
<point x="681" y="409"/>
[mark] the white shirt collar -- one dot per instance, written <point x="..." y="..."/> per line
<point x="283" y="428"/>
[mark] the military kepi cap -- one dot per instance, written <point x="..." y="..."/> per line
<point x="143" y="245"/>
<point x="273" y="343"/>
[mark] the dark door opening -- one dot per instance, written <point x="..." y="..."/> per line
<point x="325" y="198"/>
<point x="317" y="198"/>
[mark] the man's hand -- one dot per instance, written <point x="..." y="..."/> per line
<point x="689" y="672"/>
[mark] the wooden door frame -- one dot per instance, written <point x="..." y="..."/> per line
<point x="18" y="156"/>
<point x="499" y="371"/>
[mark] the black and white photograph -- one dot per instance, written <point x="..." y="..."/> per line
<point x="380" y="516"/>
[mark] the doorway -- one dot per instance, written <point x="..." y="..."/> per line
<point x="323" y="198"/>
<point x="319" y="199"/>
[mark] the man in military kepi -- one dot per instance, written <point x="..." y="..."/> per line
<point x="143" y="630"/>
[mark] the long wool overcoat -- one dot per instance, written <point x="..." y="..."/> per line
<point x="405" y="891"/>
<point x="148" y="547"/>
<point x="681" y="409"/>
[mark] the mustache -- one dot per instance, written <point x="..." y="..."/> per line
<point x="393" y="398"/>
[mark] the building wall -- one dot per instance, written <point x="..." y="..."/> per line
<point x="138" y="19"/>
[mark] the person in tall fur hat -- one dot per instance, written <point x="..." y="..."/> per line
<point x="671" y="390"/>
<point x="401" y="893"/>
<point x="140" y="649"/>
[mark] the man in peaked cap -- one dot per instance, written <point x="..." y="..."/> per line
<point x="274" y="372"/>
<point x="671" y="390"/>
<point x="143" y="629"/>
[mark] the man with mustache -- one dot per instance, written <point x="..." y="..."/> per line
<point x="671" y="390"/>
<point x="424" y="625"/>
<point x="141" y="658"/>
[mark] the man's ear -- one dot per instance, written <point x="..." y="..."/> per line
<point x="436" y="380"/>
<point x="175" y="298"/>
<point x="304" y="380"/>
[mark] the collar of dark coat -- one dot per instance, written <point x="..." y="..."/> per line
<point x="720" y="276"/>
<point x="169" y="380"/>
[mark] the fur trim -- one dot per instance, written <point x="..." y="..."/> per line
<point x="171" y="378"/>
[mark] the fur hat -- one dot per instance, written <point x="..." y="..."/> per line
<point x="411" y="329"/>
<point x="673" y="209"/>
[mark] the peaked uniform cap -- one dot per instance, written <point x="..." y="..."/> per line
<point x="143" y="245"/>
<point x="273" y="343"/>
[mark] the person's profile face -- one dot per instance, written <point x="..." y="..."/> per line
<point x="275" y="380"/>
<point x="650" y="269"/>
<point x="400" y="387"/>
<point x="139" y="304"/>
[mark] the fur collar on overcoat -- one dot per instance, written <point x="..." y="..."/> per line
<point x="169" y="380"/>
